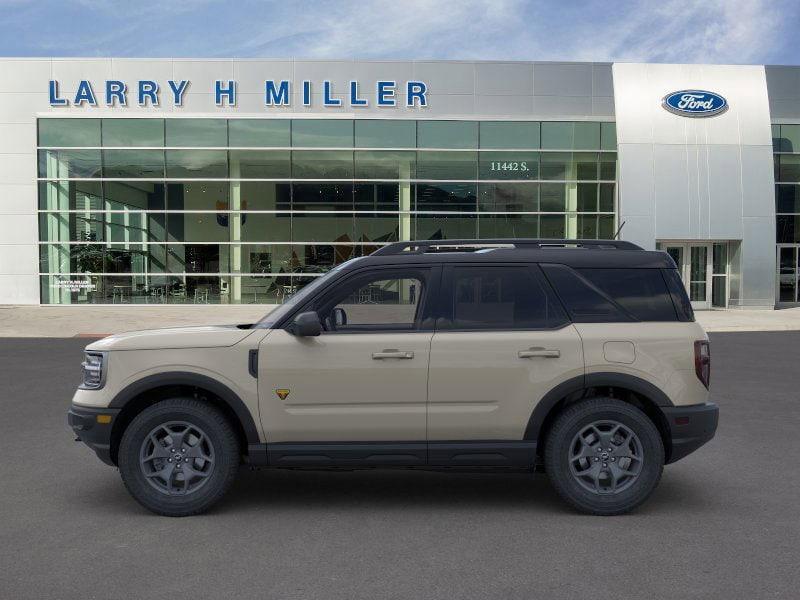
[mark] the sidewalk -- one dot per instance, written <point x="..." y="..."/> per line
<point x="98" y="321"/>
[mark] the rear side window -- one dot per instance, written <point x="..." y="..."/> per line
<point x="585" y="302"/>
<point x="499" y="298"/>
<point x="642" y="292"/>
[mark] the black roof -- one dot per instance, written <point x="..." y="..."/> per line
<point x="574" y="253"/>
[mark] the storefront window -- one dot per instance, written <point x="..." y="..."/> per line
<point x="509" y="134"/>
<point x="447" y="134"/>
<point x="259" y="133"/>
<point x="175" y="210"/>
<point x="69" y="133"/>
<point x="381" y="133"/>
<point x="129" y="133"/>
<point x="196" y="133"/>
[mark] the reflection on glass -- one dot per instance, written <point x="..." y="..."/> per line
<point x="447" y="165"/>
<point x="382" y="196"/>
<point x="385" y="164"/>
<point x="132" y="164"/>
<point x="65" y="133"/>
<point x="508" y="226"/>
<point x="265" y="227"/>
<point x="198" y="258"/>
<point x="447" y="134"/>
<point x="377" y="227"/>
<point x="63" y="164"/>
<point x="322" y="196"/>
<point x="133" y="132"/>
<point x="258" y="133"/>
<point x="198" y="195"/>
<point x="461" y="197"/>
<point x="446" y="227"/>
<point x="197" y="164"/>
<point x="552" y="197"/>
<point x="260" y="164"/>
<point x="789" y="168"/>
<point x="552" y="226"/>
<point x="384" y="133"/>
<point x="322" y="164"/>
<point x="322" y="227"/>
<point x="508" y="197"/>
<point x="197" y="133"/>
<point x="322" y="133"/>
<point x="70" y="195"/>
<point x="587" y="197"/>
<point x="556" y="165"/>
<point x="263" y="195"/>
<point x="509" y="134"/>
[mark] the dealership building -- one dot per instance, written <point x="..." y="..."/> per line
<point x="161" y="181"/>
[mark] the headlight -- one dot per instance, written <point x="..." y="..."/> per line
<point x="93" y="370"/>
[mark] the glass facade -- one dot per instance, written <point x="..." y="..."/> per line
<point x="786" y="148"/>
<point x="248" y="210"/>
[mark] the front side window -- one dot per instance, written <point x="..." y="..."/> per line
<point x="379" y="301"/>
<point x="499" y="298"/>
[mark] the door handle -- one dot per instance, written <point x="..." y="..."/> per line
<point x="392" y="354"/>
<point x="539" y="353"/>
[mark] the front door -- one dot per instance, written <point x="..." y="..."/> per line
<point x="364" y="379"/>
<point x="502" y="342"/>
<point x="695" y="266"/>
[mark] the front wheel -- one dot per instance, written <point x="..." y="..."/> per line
<point x="604" y="456"/>
<point x="178" y="457"/>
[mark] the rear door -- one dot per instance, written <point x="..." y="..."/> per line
<point x="502" y="342"/>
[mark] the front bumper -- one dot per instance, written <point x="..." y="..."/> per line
<point x="93" y="432"/>
<point x="690" y="427"/>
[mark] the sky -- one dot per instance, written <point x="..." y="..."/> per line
<point x="679" y="31"/>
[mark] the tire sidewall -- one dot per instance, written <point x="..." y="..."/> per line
<point x="226" y="459"/>
<point x="570" y="423"/>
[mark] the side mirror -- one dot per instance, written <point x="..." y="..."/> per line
<point x="306" y="325"/>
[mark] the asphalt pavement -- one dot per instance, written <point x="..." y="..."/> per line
<point x="723" y="523"/>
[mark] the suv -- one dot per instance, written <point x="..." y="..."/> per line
<point x="579" y="357"/>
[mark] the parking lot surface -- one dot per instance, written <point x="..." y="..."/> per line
<point x="722" y="524"/>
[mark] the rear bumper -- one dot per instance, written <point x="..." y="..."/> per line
<point x="83" y="421"/>
<point x="690" y="427"/>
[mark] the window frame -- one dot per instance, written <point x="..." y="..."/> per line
<point x="444" y="317"/>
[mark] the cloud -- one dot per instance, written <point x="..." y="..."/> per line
<point x="704" y="31"/>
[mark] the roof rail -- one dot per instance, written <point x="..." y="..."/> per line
<point x="420" y="247"/>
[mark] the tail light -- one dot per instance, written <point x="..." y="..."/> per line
<point x="702" y="361"/>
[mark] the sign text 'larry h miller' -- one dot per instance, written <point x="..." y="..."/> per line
<point x="276" y="93"/>
<point x="695" y="103"/>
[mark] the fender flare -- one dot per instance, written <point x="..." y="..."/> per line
<point x="584" y="382"/>
<point x="228" y="396"/>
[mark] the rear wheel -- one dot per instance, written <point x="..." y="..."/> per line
<point x="604" y="456"/>
<point x="178" y="457"/>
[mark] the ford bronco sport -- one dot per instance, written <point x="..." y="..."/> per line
<point x="578" y="357"/>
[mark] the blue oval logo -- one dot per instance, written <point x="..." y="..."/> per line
<point x="695" y="103"/>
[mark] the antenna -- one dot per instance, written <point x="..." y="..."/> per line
<point x="616" y="235"/>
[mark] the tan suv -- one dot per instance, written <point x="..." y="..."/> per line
<point x="579" y="357"/>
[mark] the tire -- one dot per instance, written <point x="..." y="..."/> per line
<point x="206" y="448"/>
<point x="614" y="482"/>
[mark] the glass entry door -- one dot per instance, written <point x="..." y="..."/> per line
<point x="694" y="260"/>
<point x="788" y="274"/>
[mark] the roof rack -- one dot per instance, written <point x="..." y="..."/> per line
<point x="421" y="247"/>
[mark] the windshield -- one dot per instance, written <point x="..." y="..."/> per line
<point x="300" y="296"/>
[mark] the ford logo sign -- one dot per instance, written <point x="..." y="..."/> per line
<point x="695" y="103"/>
